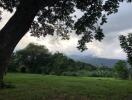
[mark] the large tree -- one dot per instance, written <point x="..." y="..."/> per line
<point x="31" y="57"/>
<point x="126" y="45"/>
<point x="44" y="17"/>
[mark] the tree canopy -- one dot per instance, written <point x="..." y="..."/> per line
<point x="55" y="17"/>
<point x="37" y="59"/>
<point x="126" y="45"/>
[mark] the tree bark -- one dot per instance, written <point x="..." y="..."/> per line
<point x="14" y="30"/>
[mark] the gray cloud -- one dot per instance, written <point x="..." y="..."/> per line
<point x="119" y="23"/>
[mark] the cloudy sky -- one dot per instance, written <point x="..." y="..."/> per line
<point x="120" y="23"/>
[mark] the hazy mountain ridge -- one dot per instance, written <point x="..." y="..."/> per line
<point x="95" y="61"/>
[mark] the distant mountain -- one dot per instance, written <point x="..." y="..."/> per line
<point x="95" y="61"/>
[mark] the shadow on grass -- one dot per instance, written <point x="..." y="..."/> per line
<point x="7" y="85"/>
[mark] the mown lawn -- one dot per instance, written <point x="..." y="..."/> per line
<point x="40" y="87"/>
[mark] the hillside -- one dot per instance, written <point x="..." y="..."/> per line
<point x="95" y="61"/>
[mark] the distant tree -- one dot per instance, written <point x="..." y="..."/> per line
<point x="33" y="57"/>
<point x="44" y="17"/>
<point x="13" y="64"/>
<point x="121" y="70"/>
<point x="60" y="63"/>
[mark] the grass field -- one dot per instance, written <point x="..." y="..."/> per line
<point x="40" y="87"/>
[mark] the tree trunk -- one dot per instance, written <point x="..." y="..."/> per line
<point x="14" y="30"/>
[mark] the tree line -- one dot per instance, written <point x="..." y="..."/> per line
<point x="38" y="60"/>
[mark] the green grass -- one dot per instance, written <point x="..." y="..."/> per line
<point x="40" y="87"/>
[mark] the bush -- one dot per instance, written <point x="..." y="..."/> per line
<point x="86" y="73"/>
<point x="69" y="73"/>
